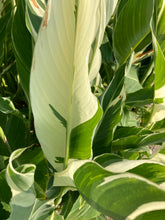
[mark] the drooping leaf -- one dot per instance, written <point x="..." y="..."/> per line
<point x="64" y="83"/>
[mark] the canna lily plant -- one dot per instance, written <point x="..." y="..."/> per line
<point x="93" y="145"/>
<point x="65" y="110"/>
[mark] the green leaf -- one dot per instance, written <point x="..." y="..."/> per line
<point x="152" y="215"/>
<point x="5" y="193"/>
<point x="121" y="5"/>
<point x="117" y="195"/>
<point x="129" y="118"/>
<point x="159" y="126"/>
<point x="137" y="140"/>
<point x="140" y="98"/>
<point x="82" y="211"/>
<point x="66" y="86"/>
<point x="6" y="105"/>
<point x="105" y="130"/>
<point x="107" y="158"/>
<point x="136" y="28"/>
<point x="159" y="109"/>
<point x="4" y="21"/>
<point x="23" y="51"/>
<point x="68" y="202"/>
<point x="132" y="83"/>
<point x="34" y="13"/>
<point x="3" y="144"/>
<point x="158" y="34"/>
<point x="15" y="132"/>
<point x="111" y="103"/>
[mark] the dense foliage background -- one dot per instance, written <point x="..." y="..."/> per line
<point x="127" y="168"/>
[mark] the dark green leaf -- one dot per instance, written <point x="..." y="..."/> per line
<point x="22" y="45"/>
<point x="6" y="105"/>
<point x="5" y="192"/>
<point x="140" y="98"/>
<point x="111" y="103"/>
<point x="131" y="27"/>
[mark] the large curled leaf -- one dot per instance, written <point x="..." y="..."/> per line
<point x="65" y="110"/>
<point x="120" y="196"/>
<point x="24" y="204"/>
<point x="35" y="156"/>
<point x="21" y="184"/>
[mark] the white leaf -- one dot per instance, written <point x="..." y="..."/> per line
<point x="62" y="101"/>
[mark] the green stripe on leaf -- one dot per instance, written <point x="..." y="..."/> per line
<point x="59" y="116"/>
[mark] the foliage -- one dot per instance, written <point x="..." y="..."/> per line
<point x="82" y="100"/>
